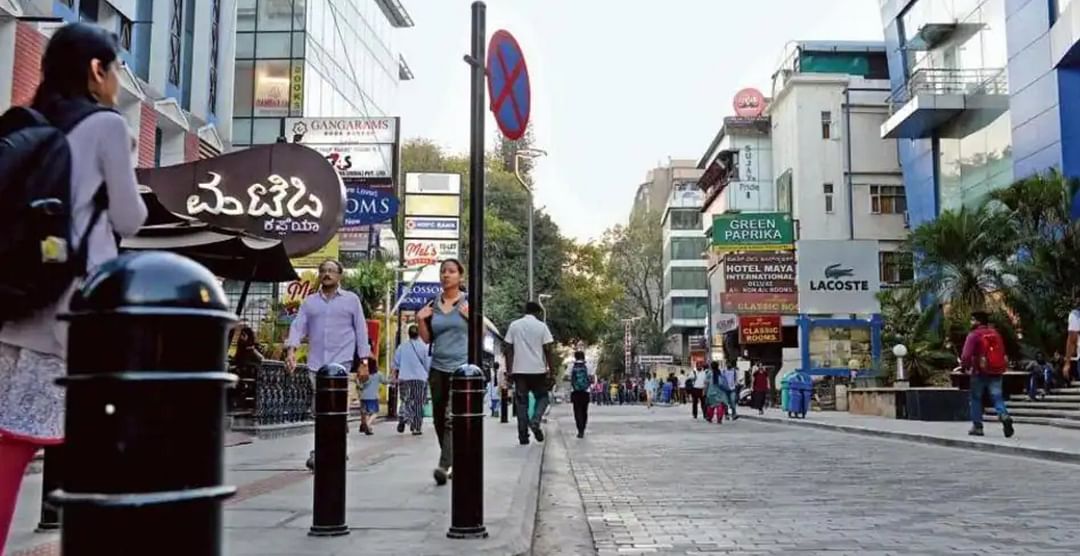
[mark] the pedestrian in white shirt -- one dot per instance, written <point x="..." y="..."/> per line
<point x="697" y="392"/>
<point x="529" y="360"/>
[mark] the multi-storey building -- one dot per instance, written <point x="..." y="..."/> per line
<point x="326" y="58"/>
<point x="834" y="173"/>
<point x="685" y="291"/>
<point x="176" y="84"/>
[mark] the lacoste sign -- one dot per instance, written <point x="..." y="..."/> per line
<point x="838" y="276"/>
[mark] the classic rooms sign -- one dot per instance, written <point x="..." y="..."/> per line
<point x="760" y="329"/>
<point x="281" y="191"/>
<point x="765" y="231"/>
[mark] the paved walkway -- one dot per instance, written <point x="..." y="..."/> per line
<point x="658" y="482"/>
<point x="393" y="507"/>
<point x="1030" y="440"/>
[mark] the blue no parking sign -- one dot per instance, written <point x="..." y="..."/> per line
<point x="508" y="85"/>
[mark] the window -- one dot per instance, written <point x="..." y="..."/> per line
<point x="688" y="248"/>
<point x="887" y="199"/>
<point x="271" y="95"/>
<point x="125" y="33"/>
<point x="826" y="125"/>
<point x="689" y="308"/>
<point x="896" y="267"/>
<point x="686" y="219"/>
<point x="88" y="10"/>
<point x="827" y="189"/>
<point x="175" y="29"/>
<point x="158" y="138"/>
<point x="783" y="192"/>
<point x="215" y="21"/>
<point x="275" y="15"/>
<point x="688" y="279"/>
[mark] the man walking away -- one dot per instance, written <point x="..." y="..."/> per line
<point x="411" y="364"/>
<point x="684" y="387"/>
<point x="759" y="388"/>
<point x="697" y="393"/>
<point x="579" y="395"/>
<point x="334" y="325"/>
<point x="731" y="388"/>
<point x="984" y="357"/>
<point x="528" y="356"/>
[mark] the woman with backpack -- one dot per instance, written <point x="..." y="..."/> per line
<point x="444" y="325"/>
<point x="80" y="84"/>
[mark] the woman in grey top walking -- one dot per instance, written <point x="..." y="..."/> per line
<point x="444" y="325"/>
<point x="79" y="76"/>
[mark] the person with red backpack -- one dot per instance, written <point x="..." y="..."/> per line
<point x="984" y="357"/>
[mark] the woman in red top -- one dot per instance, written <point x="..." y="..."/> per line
<point x="759" y="389"/>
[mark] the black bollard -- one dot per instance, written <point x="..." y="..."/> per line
<point x="504" y="401"/>
<point x="145" y="415"/>
<point x="50" y="481"/>
<point x="331" y="434"/>
<point x="467" y="492"/>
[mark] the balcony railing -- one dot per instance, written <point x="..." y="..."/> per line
<point x="929" y="81"/>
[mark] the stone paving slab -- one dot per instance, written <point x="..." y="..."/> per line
<point x="658" y="482"/>
<point x="393" y="504"/>
<point x="1038" y="441"/>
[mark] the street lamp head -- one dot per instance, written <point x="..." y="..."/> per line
<point x="530" y="153"/>
<point x="899" y="350"/>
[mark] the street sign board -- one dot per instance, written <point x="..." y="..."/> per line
<point x="654" y="359"/>
<point x="753" y="231"/>
<point x="431" y="227"/>
<point x="420" y="294"/>
<point x="508" y="85"/>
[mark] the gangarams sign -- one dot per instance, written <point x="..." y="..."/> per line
<point x="762" y="231"/>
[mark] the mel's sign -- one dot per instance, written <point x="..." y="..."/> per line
<point x="420" y="252"/>
<point x="281" y="191"/>
<point x="838" y="276"/>
<point x="765" y="231"/>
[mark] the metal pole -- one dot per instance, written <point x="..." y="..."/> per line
<point x="391" y="391"/>
<point x="467" y="492"/>
<point x="50" y="481"/>
<point x="532" y="284"/>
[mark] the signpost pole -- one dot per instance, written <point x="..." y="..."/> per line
<point x="466" y="505"/>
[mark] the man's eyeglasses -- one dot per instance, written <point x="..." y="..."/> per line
<point x="329" y="270"/>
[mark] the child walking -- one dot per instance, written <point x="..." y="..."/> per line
<point x="369" y="400"/>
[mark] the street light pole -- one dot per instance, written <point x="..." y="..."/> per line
<point x="543" y="307"/>
<point x="528" y="153"/>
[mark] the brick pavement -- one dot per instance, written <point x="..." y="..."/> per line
<point x="657" y="482"/>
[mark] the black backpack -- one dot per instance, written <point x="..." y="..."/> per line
<point x="38" y="260"/>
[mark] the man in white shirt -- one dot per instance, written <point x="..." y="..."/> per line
<point x="697" y="393"/>
<point x="1070" y="368"/>
<point x="529" y="360"/>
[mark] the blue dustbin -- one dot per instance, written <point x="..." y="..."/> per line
<point x="785" y="391"/>
<point x="801" y="387"/>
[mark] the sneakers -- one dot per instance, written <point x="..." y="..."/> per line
<point x="581" y="435"/>
<point x="400" y="427"/>
<point x="441" y="476"/>
<point x="976" y="431"/>
<point x="538" y="433"/>
<point x="1007" y="423"/>
<point x="417" y="433"/>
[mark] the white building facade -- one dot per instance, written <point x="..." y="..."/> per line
<point x="685" y="295"/>
<point x="176" y="86"/>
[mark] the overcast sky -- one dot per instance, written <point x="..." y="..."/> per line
<point x="619" y="86"/>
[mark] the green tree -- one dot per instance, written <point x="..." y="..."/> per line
<point x="370" y="280"/>
<point x="929" y="360"/>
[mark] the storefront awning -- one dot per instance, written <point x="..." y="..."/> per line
<point x="227" y="253"/>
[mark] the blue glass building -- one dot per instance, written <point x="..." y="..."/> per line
<point x="983" y="92"/>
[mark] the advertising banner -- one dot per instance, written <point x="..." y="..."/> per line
<point x="433" y="184"/>
<point x="338" y="131"/>
<point x="432" y="227"/>
<point x="760" y="329"/>
<point x="420" y="252"/>
<point x="420" y="294"/>
<point x="760" y="272"/>
<point x="757" y="303"/>
<point x="764" y="231"/>
<point x="364" y="206"/>
<point x="313" y="260"/>
<point x="839" y="276"/>
<point x="359" y="161"/>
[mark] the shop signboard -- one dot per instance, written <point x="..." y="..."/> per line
<point x="760" y="272"/>
<point x="421" y="294"/>
<point x="760" y="329"/>
<point x="655" y="359"/>
<point x="420" y="252"/>
<point x="360" y="161"/>
<point x="761" y="231"/>
<point x="839" y="276"/>
<point x="365" y="206"/>
<point x="757" y="303"/>
<point x="281" y="191"/>
<point x="432" y="227"/>
<point x="312" y="260"/>
<point x="433" y="184"/>
<point x="339" y="131"/>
